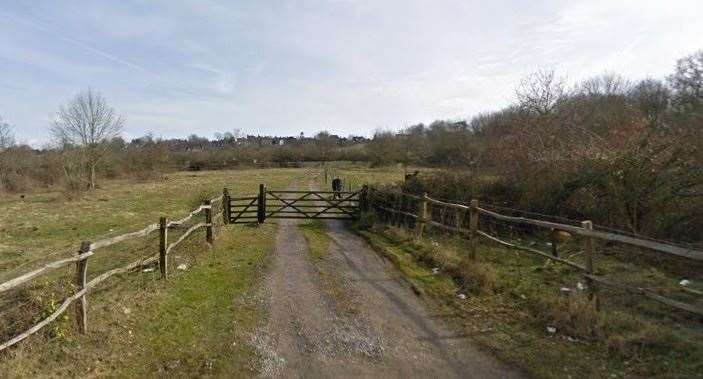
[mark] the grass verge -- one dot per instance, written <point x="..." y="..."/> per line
<point x="196" y="323"/>
<point x="317" y="239"/>
<point x="328" y="268"/>
<point x="512" y="299"/>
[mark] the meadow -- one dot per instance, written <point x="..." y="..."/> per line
<point x="199" y="322"/>
<point x="44" y="226"/>
<point x="139" y="324"/>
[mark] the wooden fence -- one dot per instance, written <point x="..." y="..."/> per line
<point x="88" y="249"/>
<point x="464" y="220"/>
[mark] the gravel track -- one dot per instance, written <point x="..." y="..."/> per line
<point x="350" y="315"/>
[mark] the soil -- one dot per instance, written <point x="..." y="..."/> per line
<point x="350" y="314"/>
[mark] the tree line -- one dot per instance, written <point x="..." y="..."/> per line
<point x="623" y="153"/>
<point x="87" y="145"/>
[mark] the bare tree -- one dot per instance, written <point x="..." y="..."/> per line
<point x="607" y="84"/>
<point x="540" y="92"/>
<point x="6" y="138"/>
<point x="89" y="123"/>
<point x="688" y="78"/>
<point x="652" y="97"/>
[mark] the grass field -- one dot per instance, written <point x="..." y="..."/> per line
<point x="357" y="175"/>
<point x="193" y="324"/>
<point x="197" y="323"/>
<point x="45" y="226"/>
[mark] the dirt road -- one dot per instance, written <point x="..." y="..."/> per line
<point x="349" y="315"/>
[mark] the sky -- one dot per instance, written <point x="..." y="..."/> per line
<point x="177" y="67"/>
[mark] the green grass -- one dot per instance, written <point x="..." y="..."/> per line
<point x="196" y="323"/>
<point x="358" y="175"/>
<point x="200" y="326"/>
<point x="46" y="226"/>
<point x="328" y="270"/>
<point x="317" y="239"/>
<point x="174" y="324"/>
<point x="621" y="340"/>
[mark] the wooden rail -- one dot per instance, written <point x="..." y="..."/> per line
<point x="12" y="283"/>
<point x="391" y="201"/>
<point x="87" y="250"/>
<point x="613" y="237"/>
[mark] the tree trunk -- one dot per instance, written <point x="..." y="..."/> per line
<point x="92" y="176"/>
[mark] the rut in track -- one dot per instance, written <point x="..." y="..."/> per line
<point x="349" y="315"/>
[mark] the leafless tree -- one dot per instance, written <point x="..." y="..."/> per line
<point x="608" y="84"/>
<point x="687" y="80"/>
<point x="89" y="123"/>
<point x="540" y="92"/>
<point x="652" y="97"/>
<point x="6" y="138"/>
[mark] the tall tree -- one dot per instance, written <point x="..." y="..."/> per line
<point x="87" y="122"/>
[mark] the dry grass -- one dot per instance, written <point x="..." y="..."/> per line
<point x="519" y="296"/>
<point x="127" y="206"/>
<point x="45" y="226"/>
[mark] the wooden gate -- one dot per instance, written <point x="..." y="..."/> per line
<point x="326" y="205"/>
<point x="343" y="205"/>
<point x="244" y="210"/>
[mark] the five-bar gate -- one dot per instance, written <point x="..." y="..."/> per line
<point x="325" y="205"/>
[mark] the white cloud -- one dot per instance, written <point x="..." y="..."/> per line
<point x="182" y="66"/>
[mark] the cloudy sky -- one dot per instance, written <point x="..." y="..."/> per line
<point x="178" y="67"/>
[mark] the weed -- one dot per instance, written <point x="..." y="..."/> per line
<point x="522" y="295"/>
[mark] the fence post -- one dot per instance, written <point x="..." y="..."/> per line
<point x="261" y="205"/>
<point x="588" y="251"/>
<point x="364" y="198"/>
<point x="208" y="222"/>
<point x="422" y="215"/>
<point x="553" y="240"/>
<point x="81" y="277"/>
<point x="226" y="207"/>
<point x="473" y="227"/>
<point x="163" y="244"/>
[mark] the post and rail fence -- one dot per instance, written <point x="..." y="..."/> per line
<point x="420" y="212"/>
<point x="235" y="210"/>
<point x="393" y="209"/>
<point x="88" y="249"/>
